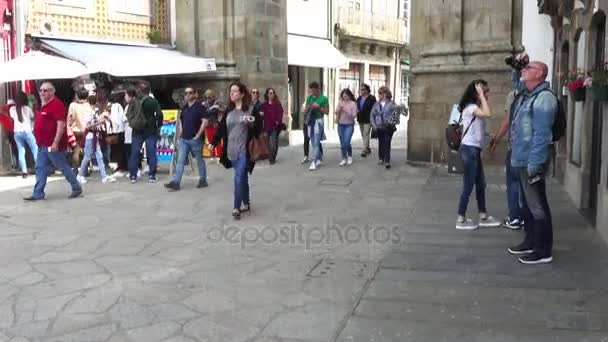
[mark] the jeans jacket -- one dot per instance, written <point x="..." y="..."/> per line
<point x="381" y="116"/>
<point x="530" y="132"/>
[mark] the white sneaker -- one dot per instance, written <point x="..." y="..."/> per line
<point x="304" y="161"/>
<point x="146" y="170"/>
<point x="343" y="162"/>
<point x="313" y="166"/>
<point x="489" y="222"/>
<point x="349" y="161"/>
<point x="139" y="174"/>
<point x="108" y="179"/>
<point x="467" y="224"/>
<point x="118" y="174"/>
<point x="319" y="162"/>
<point x="81" y="179"/>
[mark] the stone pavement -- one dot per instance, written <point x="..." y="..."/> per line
<point x="340" y="254"/>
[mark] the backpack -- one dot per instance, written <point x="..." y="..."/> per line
<point x="454" y="134"/>
<point x="559" y="123"/>
<point x="135" y="114"/>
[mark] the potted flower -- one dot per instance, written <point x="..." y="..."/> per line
<point x="598" y="82"/>
<point x="575" y="81"/>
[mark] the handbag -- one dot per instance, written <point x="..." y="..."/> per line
<point x="259" y="147"/>
<point x="374" y="134"/>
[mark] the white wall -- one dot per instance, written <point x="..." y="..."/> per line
<point x="537" y="35"/>
<point x="308" y="17"/>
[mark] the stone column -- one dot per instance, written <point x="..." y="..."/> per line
<point x="454" y="42"/>
<point x="248" y="39"/>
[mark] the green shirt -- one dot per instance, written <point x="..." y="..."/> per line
<point x="322" y="101"/>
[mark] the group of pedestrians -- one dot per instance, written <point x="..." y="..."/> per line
<point x="377" y="118"/>
<point x="531" y="114"/>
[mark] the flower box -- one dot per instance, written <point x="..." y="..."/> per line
<point x="578" y="94"/>
<point x="600" y="93"/>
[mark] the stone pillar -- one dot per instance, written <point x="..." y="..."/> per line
<point x="247" y="38"/>
<point x="454" y="42"/>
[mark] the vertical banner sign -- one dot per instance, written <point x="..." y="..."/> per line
<point x="166" y="143"/>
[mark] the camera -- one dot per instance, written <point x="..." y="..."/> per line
<point x="517" y="64"/>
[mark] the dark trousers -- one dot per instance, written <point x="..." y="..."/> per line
<point x="385" y="137"/>
<point x="473" y="177"/>
<point x="273" y="136"/>
<point x="307" y="144"/>
<point x="136" y="145"/>
<point x="536" y="214"/>
<point x="118" y="154"/>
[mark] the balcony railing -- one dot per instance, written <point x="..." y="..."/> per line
<point x="357" y="23"/>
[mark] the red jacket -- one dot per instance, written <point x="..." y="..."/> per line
<point x="273" y="115"/>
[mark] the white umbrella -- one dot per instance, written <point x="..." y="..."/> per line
<point x="37" y="65"/>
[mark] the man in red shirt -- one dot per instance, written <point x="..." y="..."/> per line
<point x="52" y="139"/>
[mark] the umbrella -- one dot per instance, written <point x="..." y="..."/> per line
<point x="37" y="65"/>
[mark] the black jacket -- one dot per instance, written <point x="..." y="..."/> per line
<point x="222" y="134"/>
<point x="363" y="115"/>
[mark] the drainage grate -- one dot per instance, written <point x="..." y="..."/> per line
<point x="336" y="182"/>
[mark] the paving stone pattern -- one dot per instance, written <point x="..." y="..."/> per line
<point x="341" y="254"/>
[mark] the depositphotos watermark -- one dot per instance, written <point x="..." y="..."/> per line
<point x="330" y="233"/>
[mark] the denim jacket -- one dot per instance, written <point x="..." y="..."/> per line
<point x="530" y="131"/>
<point x="380" y="116"/>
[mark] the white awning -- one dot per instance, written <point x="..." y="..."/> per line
<point x="36" y="65"/>
<point x="128" y="60"/>
<point x="313" y="52"/>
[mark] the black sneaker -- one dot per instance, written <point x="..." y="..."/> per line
<point x="387" y="165"/>
<point x="535" y="259"/>
<point x="152" y="179"/>
<point x="520" y="249"/>
<point x="202" y="183"/>
<point x="75" y="194"/>
<point x="172" y="186"/>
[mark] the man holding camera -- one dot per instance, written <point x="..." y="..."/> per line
<point x="532" y="116"/>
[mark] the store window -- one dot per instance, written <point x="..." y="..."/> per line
<point x="378" y="77"/>
<point x="350" y="78"/>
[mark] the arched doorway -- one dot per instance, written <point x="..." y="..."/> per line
<point x="598" y="34"/>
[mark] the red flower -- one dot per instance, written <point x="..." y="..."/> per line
<point x="576" y="84"/>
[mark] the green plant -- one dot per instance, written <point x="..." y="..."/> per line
<point x="599" y="77"/>
<point x="155" y="36"/>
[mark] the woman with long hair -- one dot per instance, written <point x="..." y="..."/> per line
<point x="346" y="112"/>
<point x="23" y="118"/>
<point x="237" y="128"/>
<point x="384" y="120"/>
<point x="272" y="112"/>
<point x="474" y="109"/>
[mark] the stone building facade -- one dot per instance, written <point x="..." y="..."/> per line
<point x="248" y="40"/>
<point x="454" y="42"/>
<point x="580" y="43"/>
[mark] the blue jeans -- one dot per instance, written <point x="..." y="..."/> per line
<point x="512" y="189"/>
<point x="185" y="148"/>
<point x="536" y="214"/>
<point x="307" y="143"/>
<point x="473" y="177"/>
<point x="136" y="145"/>
<point x="22" y="139"/>
<point x="241" y="182"/>
<point x="316" y="133"/>
<point x="88" y="155"/>
<point x="345" y="132"/>
<point x="44" y="162"/>
<point x="385" y="137"/>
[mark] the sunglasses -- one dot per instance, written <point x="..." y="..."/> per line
<point x="189" y="93"/>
